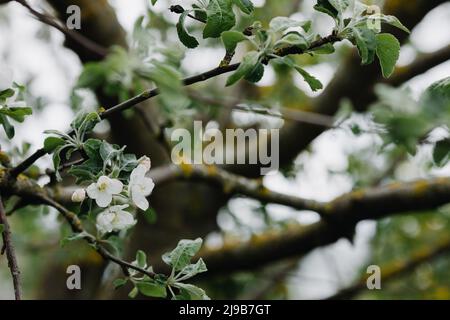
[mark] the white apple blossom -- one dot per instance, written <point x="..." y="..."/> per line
<point x="115" y="218"/>
<point x="79" y="195"/>
<point x="145" y="161"/>
<point x="140" y="186"/>
<point x="103" y="190"/>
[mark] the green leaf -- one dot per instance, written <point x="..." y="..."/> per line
<point x="152" y="289"/>
<point x="193" y="269"/>
<point x="51" y="143"/>
<point x="150" y="215"/>
<point x="86" y="171"/>
<point x="2" y="228"/>
<point x="85" y="122"/>
<point x="108" y="151"/>
<point x="119" y="283"/>
<point x="71" y="238"/>
<point x="366" y="42"/>
<point x="181" y="256"/>
<point x="293" y="39"/>
<point x="9" y="129"/>
<point x="141" y="259"/>
<point x="281" y="24"/>
<point x="168" y="81"/>
<point x="246" y="6"/>
<point x="340" y="5"/>
<point x="128" y="162"/>
<point x="436" y="99"/>
<point x="188" y="40"/>
<point x="18" y="113"/>
<point x="327" y="48"/>
<point x="92" y="149"/>
<point x="247" y="66"/>
<point x="196" y="293"/>
<point x="154" y="2"/>
<point x="441" y="152"/>
<point x="326" y="7"/>
<point x="393" y="21"/>
<point x="388" y="52"/>
<point x="312" y="81"/>
<point x="256" y="73"/>
<point x="230" y="39"/>
<point x="133" y="293"/>
<point x="93" y="76"/>
<point x="7" y="93"/>
<point x="220" y="18"/>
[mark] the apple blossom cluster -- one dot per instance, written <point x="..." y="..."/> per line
<point x="105" y="191"/>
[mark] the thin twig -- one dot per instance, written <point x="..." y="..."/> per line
<point x="8" y="247"/>
<point x="307" y="117"/>
<point x="148" y="94"/>
<point x="87" y="43"/>
<point x="77" y="227"/>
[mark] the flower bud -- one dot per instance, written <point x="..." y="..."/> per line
<point x="146" y="162"/>
<point x="79" y="195"/>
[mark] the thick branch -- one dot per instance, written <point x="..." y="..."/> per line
<point x="342" y="216"/>
<point x="231" y="184"/>
<point x="397" y="269"/>
<point x="8" y="247"/>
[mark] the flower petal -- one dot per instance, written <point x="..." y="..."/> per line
<point x="103" y="199"/>
<point x="123" y="220"/>
<point x="137" y="174"/>
<point x="139" y="199"/>
<point x="92" y="191"/>
<point x="147" y="186"/>
<point x="114" y="186"/>
<point x="104" y="221"/>
<point x="103" y="180"/>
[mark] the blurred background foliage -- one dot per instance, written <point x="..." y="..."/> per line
<point x="403" y="136"/>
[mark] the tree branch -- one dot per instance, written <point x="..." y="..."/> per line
<point x="301" y="116"/>
<point x="342" y="215"/>
<point x="421" y="64"/>
<point x="87" y="43"/>
<point x="232" y="184"/>
<point x="397" y="269"/>
<point x="8" y="247"/>
<point x="148" y="94"/>
<point x="34" y="194"/>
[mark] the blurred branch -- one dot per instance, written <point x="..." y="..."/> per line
<point x="232" y="184"/>
<point x="341" y="216"/>
<point x="8" y="247"/>
<point x="421" y="64"/>
<point x="53" y="22"/>
<point x="282" y="113"/>
<point x="297" y="137"/>
<point x="268" y="283"/>
<point x="397" y="269"/>
<point x="148" y="94"/>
